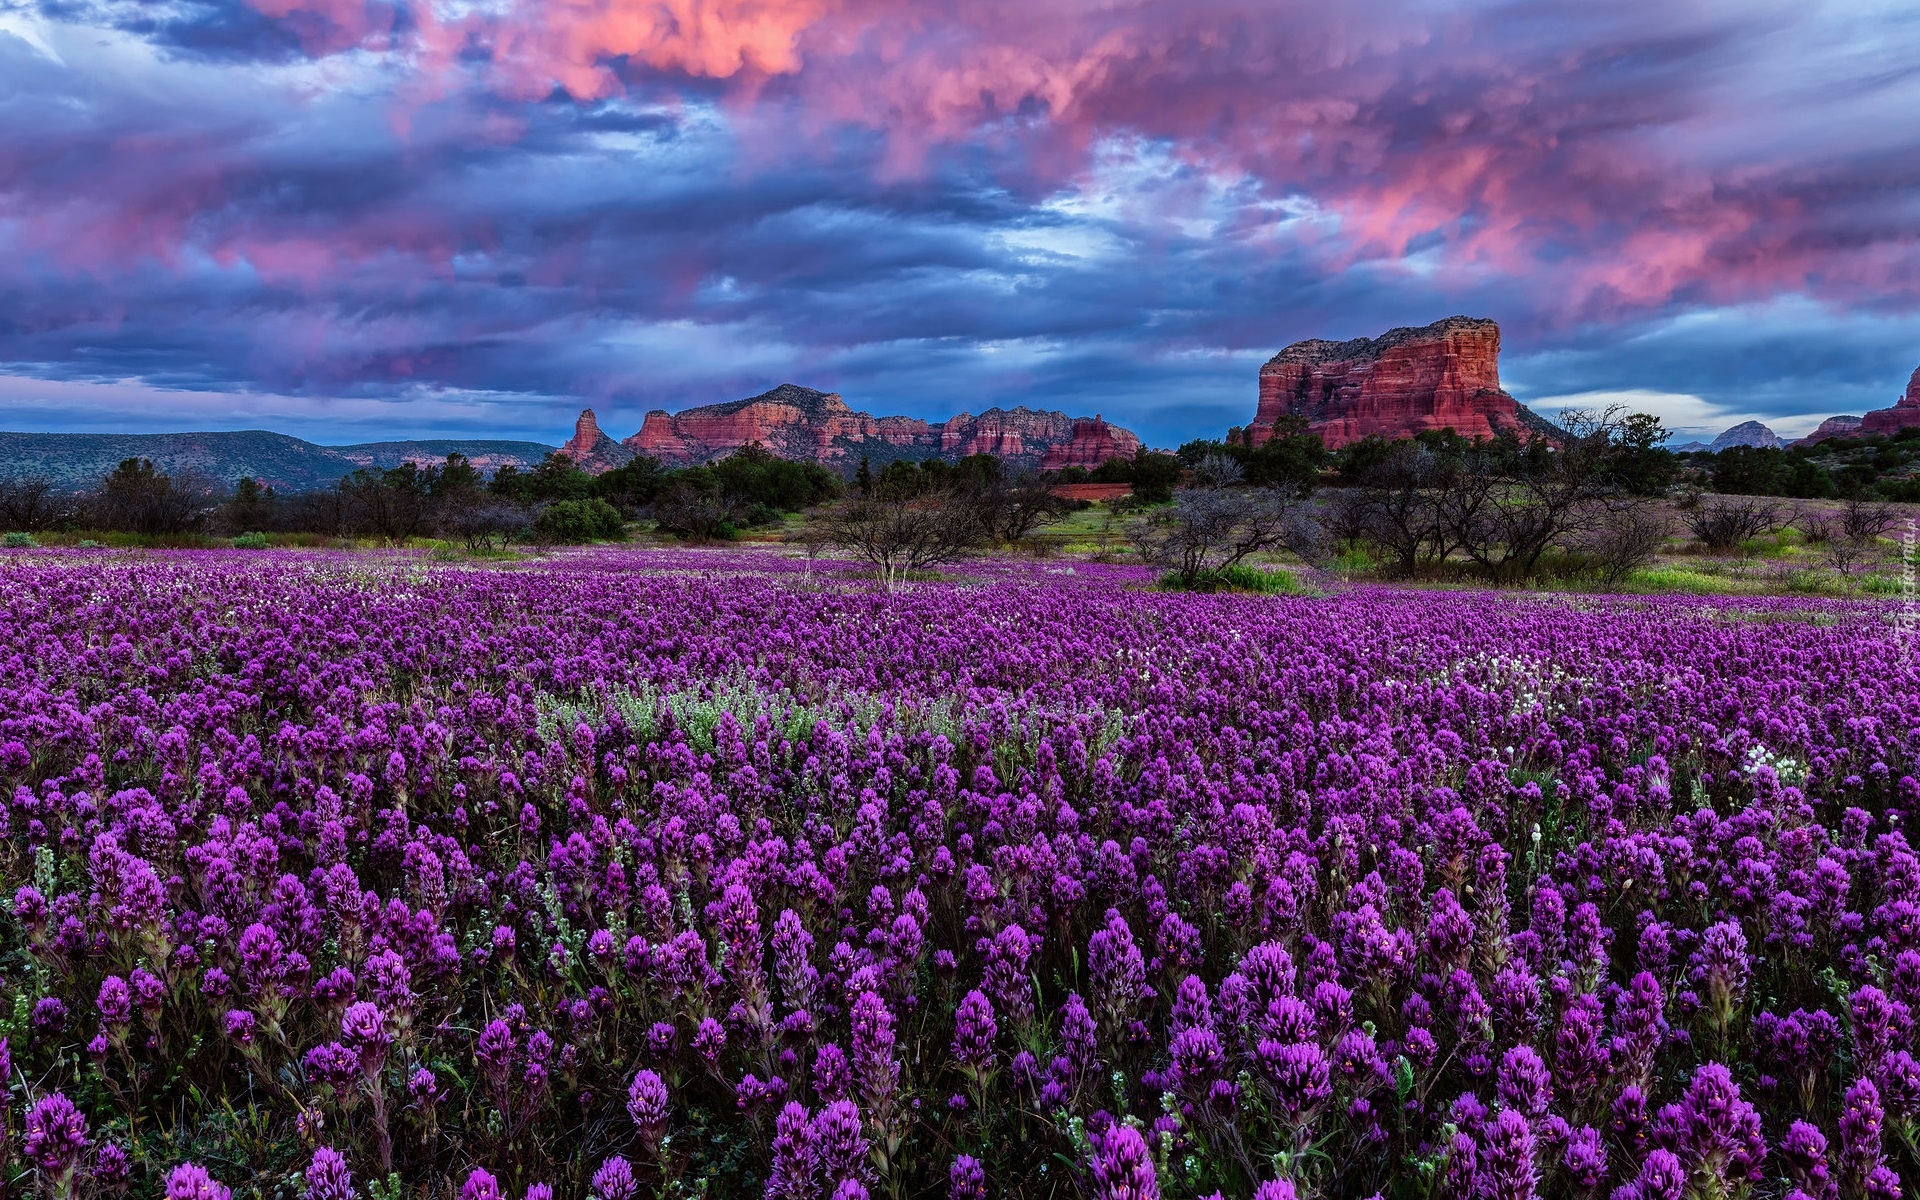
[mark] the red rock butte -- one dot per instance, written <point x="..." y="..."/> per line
<point x="592" y="450"/>
<point x="800" y="423"/>
<point x="1406" y="381"/>
<point x="1905" y="414"/>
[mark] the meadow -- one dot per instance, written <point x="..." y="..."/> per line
<point x="633" y="873"/>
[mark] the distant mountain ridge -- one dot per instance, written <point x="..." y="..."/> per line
<point x="813" y="426"/>
<point x="73" y="461"/>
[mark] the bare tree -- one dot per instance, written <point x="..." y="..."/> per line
<point x="29" y="504"/>
<point x="1624" y="538"/>
<point x="1817" y="526"/>
<point x="137" y="498"/>
<point x="1726" y="522"/>
<point x="692" y="512"/>
<point x="1510" y="504"/>
<point x="1866" y="521"/>
<point x="1846" y="556"/>
<point x="1207" y="530"/>
<point x="484" y="523"/>
<point x="1218" y="471"/>
<point x="1011" y="508"/>
<point x="1395" y="506"/>
<point x="394" y="504"/>
<point x="899" y="534"/>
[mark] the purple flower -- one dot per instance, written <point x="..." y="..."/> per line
<point x="839" y="1144"/>
<point x="647" y="1105"/>
<point x="1122" y="1167"/>
<point x="614" y="1180"/>
<point x="328" y="1177"/>
<point x="480" y="1185"/>
<point x="974" y="1032"/>
<point x="873" y="1042"/>
<point x="1662" y="1177"/>
<point x="115" y="1003"/>
<point x="1524" y="1084"/>
<point x="56" y="1133"/>
<point x="1722" y="968"/>
<point x="1079" y="1035"/>
<point x="1507" y="1170"/>
<point x="967" y="1179"/>
<point x="1580" y="1048"/>
<point x="709" y="1040"/>
<point x="1197" y="1057"/>
<point x="49" y="1015"/>
<point x="792" y="1171"/>
<point x="1721" y="1130"/>
<point x="1805" y="1150"/>
<point x="1298" y="1074"/>
<point x="240" y="1026"/>
<point x="1118" y="968"/>
<point x="1861" y="1123"/>
<point x="189" y="1181"/>
<point x="111" y="1169"/>
<point x="494" y="1049"/>
<point x="1586" y="1157"/>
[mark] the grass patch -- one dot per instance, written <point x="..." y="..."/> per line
<point x="1270" y="581"/>
<point x="1681" y="581"/>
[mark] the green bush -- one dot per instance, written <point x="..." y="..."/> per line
<point x="20" y="541"/>
<point x="250" y="541"/>
<point x="86" y="544"/>
<point x="570" y="522"/>
<point x="1273" y="581"/>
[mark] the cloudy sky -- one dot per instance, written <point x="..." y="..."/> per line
<point x="349" y="219"/>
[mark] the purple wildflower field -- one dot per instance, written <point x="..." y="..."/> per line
<point x="712" y="875"/>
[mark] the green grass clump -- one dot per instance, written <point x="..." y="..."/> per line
<point x="1681" y="581"/>
<point x="20" y="541"/>
<point x="251" y="541"/>
<point x="1269" y="581"/>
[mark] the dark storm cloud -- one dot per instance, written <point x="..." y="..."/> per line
<point x="1116" y="208"/>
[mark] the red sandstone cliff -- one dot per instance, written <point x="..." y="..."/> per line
<point x="1091" y="443"/>
<point x="800" y="423"/>
<point x="1443" y="375"/>
<point x="591" y="450"/>
<point x="1905" y="414"/>
<point x="1833" y="427"/>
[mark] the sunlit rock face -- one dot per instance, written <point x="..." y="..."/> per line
<point x="801" y="423"/>
<point x="1439" y="376"/>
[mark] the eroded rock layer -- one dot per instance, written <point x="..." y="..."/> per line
<point x="800" y="423"/>
<point x="1905" y="414"/>
<point x="1439" y="376"/>
<point x="591" y="449"/>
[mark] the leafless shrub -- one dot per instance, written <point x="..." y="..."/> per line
<point x="29" y="504"/>
<point x="137" y="498"/>
<point x="1728" y="522"/>
<point x="1866" y="521"/>
<point x="483" y="524"/>
<point x="1818" y="526"/>
<point x="1622" y="539"/>
<point x="900" y="534"/>
<point x="1846" y="556"/>
<point x="1207" y="530"/>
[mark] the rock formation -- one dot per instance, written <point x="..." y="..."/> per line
<point x="1905" y="414"/>
<point x="1833" y="427"/>
<point x="800" y="423"/>
<point x="591" y="450"/>
<point x="1090" y="443"/>
<point x="1443" y="375"/>
<point x="1747" y="433"/>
